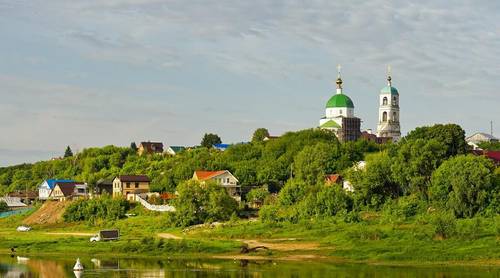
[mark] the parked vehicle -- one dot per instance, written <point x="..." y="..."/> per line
<point x="23" y="228"/>
<point x="105" y="235"/>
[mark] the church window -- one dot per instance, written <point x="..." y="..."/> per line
<point x="340" y="111"/>
<point x="394" y="100"/>
<point x="394" y="116"/>
<point x="384" y="101"/>
<point x="384" y="117"/>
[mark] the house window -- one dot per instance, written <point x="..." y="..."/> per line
<point x="128" y="184"/>
<point x="136" y="185"/>
<point x="227" y="180"/>
<point x="384" y="117"/>
<point x="384" y="101"/>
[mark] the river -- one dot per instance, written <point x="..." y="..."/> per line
<point x="17" y="266"/>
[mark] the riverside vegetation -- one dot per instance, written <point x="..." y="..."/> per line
<point x="422" y="199"/>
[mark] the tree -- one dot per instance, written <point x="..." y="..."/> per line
<point x="133" y="147"/>
<point x="452" y="135"/>
<point x="68" y="152"/>
<point x="464" y="184"/>
<point x="3" y="206"/>
<point x="490" y="146"/>
<point x="259" y="135"/>
<point x="210" y="139"/>
<point x="314" y="162"/>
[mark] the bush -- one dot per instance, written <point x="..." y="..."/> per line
<point x="3" y="206"/>
<point x="104" y="208"/>
<point x="470" y="228"/>
<point x="444" y="225"/>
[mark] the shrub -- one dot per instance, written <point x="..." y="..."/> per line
<point x="104" y="208"/>
<point x="444" y="224"/>
<point x="470" y="228"/>
<point x="3" y="206"/>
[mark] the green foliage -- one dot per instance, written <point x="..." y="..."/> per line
<point x="259" y="135"/>
<point x="292" y="192"/>
<point x="68" y="152"/>
<point x="444" y="224"/>
<point x="326" y="202"/>
<point x="257" y="194"/>
<point x="451" y="135"/>
<point x="490" y="146"/>
<point x="104" y="208"/>
<point x="210" y="139"/>
<point x="201" y="203"/>
<point x="403" y="208"/>
<point x="133" y="147"/>
<point x="464" y="184"/>
<point x="3" y="206"/>
<point x="315" y="161"/>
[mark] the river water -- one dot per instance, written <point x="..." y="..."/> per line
<point x="16" y="266"/>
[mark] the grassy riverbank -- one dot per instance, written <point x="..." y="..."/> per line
<point x="369" y="241"/>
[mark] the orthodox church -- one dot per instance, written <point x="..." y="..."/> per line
<point x="339" y="115"/>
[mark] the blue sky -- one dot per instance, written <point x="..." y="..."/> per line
<point x="93" y="73"/>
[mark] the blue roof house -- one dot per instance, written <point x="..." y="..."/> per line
<point x="221" y="147"/>
<point x="46" y="187"/>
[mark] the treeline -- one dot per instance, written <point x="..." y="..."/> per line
<point x="259" y="162"/>
<point x="427" y="173"/>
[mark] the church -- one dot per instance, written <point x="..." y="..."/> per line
<point x="339" y="115"/>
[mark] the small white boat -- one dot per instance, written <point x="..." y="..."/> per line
<point x="78" y="265"/>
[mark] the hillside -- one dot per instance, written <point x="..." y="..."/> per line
<point x="50" y="213"/>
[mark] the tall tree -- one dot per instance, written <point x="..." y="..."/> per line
<point x="133" y="147"/>
<point x="259" y="135"/>
<point x="210" y="139"/>
<point x="68" y="152"/>
<point x="452" y="135"/>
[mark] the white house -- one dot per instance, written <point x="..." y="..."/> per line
<point x="479" y="137"/>
<point x="223" y="178"/>
<point x="47" y="186"/>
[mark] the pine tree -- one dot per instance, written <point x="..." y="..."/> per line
<point x="68" y="152"/>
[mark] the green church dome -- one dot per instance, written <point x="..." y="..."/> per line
<point x="389" y="90"/>
<point x="339" y="100"/>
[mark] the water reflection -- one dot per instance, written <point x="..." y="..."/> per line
<point x="43" y="267"/>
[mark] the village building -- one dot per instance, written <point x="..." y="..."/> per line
<point x="494" y="156"/>
<point x="333" y="179"/>
<point x="47" y="186"/>
<point x="339" y="115"/>
<point x="104" y="186"/>
<point x="480" y="137"/>
<point x="221" y="147"/>
<point x="270" y="137"/>
<point x="173" y="150"/>
<point x="26" y="197"/>
<point x="127" y="186"/>
<point x="68" y="190"/>
<point x="150" y="148"/>
<point x="13" y="202"/>
<point x="223" y="178"/>
<point x="388" y="120"/>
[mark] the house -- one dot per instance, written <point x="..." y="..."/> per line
<point x="267" y="138"/>
<point x="223" y="178"/>
<point x="104" y="186"/>
<point x="150" y="148"/>
<point x="333" y="179"/>
<point x="492" y="155"/>
<point x="27" y="197"/>
<point x="68" y="190"/>
<point x="479" y="137"/>
<point x="13" y="202"/>
<point x="173" y="150"/>
<point x="132" y="185"/>
<point x="46" y="187"/>
<point x="221" y="147"/>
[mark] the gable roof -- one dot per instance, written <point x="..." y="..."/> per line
<point x="206" y="175"/>
<point x="13" y="201"/>
<point x="52" y="182"/>
<point x="177" y="148"/>
<point x="333" y="178"/>
<point x="133" y="178"/>
<point x="330" y="124"/>
<point x="152" y="146"/>
<point x="480" y="137"/>
<point x="67" y="188"/>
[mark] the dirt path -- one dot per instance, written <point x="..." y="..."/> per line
<point x="51" y="212"/>
<point x="168" y="236"/>
<point x="282" y="244"/>
<point x="72" y="234"/>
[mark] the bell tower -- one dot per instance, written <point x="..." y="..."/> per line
<point x="388" y="115"/>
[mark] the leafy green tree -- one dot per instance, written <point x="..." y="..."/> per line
<point x="451" y="135"/>
<point x="464" y="184"/>
<point x="414" y="163"/>
<point x="314" y="162"/>
<point x="68" y="152"/>
<point x="490" y="146"/>
<point x="257" y="194"/>
<point x="327" y="201"/>
<point x="293" y="192"/>
<point x="210" y="139"/>
<point x="3" y="206"/>
<point x="259" y="135"/>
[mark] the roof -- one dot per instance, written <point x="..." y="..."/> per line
<point x="221" y="146"/>
<point x="102" y="182"/>
<point x="339" y="100"/>
<point x="330" y="124"/>
<point x="206" y="175"/>
<point x="134" y="178"/>
<point x="389" y="90"/>
<point x="152" y="146"/>
<point x="13" y="201"/>
<point x="23" y="194"/>
<point x="177" y="148"/>
<point x="52" y="182"/>
<point x="67" y="188"/>
<point x="481" y="137"/>
<point x="493" y="155"/>
<point x="333" y="178"/>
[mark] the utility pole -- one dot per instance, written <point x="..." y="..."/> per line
<point x="491" y="127"/>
